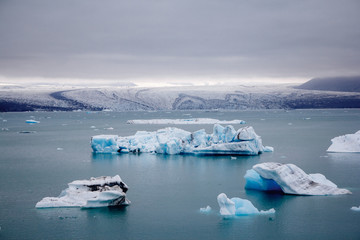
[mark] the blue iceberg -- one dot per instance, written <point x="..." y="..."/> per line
<point x="290" y="179"/>
<point x="238" y="206"/>
<point x="223" y="140"/>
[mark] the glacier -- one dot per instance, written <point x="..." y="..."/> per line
<point x="289" y="179"/>
<point x="346" y="143"/>
<point x="223" y="141"/>
<point x="102" y="191"/>
<point x="185" y="121"/>
<point x="238" y="206"/>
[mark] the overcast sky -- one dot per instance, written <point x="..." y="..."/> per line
<point x="179" y="39"/>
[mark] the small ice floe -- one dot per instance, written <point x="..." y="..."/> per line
<point x="206" y="209"/>
<point x="92" y="127"/>
<point x="31" y="121"/>
<point x="109" y="128"/>
<point x="346" y="143"/>
<point x="185" y="121"/>
<point x="4" y="120"/>
<point x="238" y="206"/>
<point x="307" y="118"/>
<point x="4" y="129"/>
<point x="233" y="158"/>
<point x="289" y="179"/>
<point x="59" y="149"/>
<point x="290" y="124"/>
<point x="355" y="209"/>
<point x="223" y="141"/>
<point x="27" y="132"/>
<point x="96" y="192"/>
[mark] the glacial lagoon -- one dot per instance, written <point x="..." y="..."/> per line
<point x="167" y="191"/>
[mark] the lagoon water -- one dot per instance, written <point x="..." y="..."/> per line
<point x="167" y="191"/>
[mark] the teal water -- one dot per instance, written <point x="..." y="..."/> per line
<point x="167" y="191"/>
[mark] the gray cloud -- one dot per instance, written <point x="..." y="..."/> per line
<point x="152" y="38"/>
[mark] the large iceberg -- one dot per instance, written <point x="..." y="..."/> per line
<point x="185" y="121"/>
<point x="223" y="140"/>
<point x="238" y="206"/>
<point x="346" y="143"/>
<point x="289" y="179"/>
<point x="97" y="192"/>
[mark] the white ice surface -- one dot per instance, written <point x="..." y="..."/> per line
<point x="96" y="192"/>
<point x="206" y="209"/>
<point x="223" y="140"/>
<point x="355" y="209"/>
<point x="346" y="143"/>
<point x="185" y="121"/>
<point x="238" y="206"/>
<point x="291" y="179"/>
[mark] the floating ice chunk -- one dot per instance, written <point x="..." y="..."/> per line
<point x="238" y="206"/>
<point x="104" y="143"/>
<point x="291" y="179"/>
<point x="185" y="121"/>
<point x="346" y="143"/>
<point x="206" y="209"/>
<point x="59" y="149"/>
<point x="96" y="192"/>
<point x="32" y="121"/>
<point x="268" y="149"/>
<point x="92" y="127"/>
<point x="177" y="141"/>
<point x="355" y="209"/>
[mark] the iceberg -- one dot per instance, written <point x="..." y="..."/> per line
<point x="346" y="143"/>
<point x="32" y="121"/>
<point x="103" y="191"/>
<point x="171" y="140"/>
<point x="206" y="209"/>
<point x="238" y="206"/>
<point x="289" y="179"/>
<point x="355" y="209"/>
<point x="185" y="121"/>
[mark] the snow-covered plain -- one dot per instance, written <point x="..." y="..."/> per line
<point x="346" y="143"/>
<point x="238" y="206"/>
<point x="223" y="140"/>
<point x="185" y="121"/>
<point x="289" y="179"/>
<point x="96" y="192"/>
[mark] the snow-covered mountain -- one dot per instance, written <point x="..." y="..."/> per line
<point x="133" y="98"/>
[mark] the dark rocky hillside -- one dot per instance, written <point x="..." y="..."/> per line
<point x="340" y="84"/>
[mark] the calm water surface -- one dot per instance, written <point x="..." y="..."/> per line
<point x="167" y="191"/>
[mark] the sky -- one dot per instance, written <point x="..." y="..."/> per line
<point x="179" y="40"/>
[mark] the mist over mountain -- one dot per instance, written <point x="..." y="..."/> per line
<point x="340" y="84"/>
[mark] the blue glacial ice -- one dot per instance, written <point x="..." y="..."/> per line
<point x="238" y="206"/>
<point x="289" y="179"/>
<point x="223" y="140"/>
<point x="97" y="192"/>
